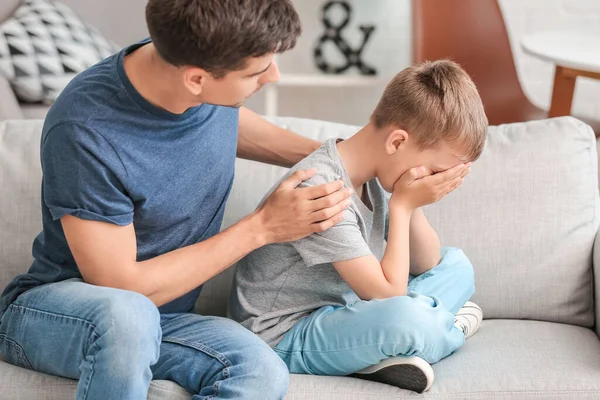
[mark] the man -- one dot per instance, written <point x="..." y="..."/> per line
<point x="138" y="159"/>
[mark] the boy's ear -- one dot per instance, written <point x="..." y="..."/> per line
<point x="395" y="140"/>
<point x="194" y="79"/>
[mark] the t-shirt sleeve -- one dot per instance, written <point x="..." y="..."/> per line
<point x="82" y="176"/>
<point x="342" y="242"/>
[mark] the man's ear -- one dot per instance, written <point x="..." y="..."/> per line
<point x="194" y="79"/>
<point x="396" y="139"/>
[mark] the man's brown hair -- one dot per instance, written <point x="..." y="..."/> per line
<point x="220" y="35"/>
<point x="435" y="102"/>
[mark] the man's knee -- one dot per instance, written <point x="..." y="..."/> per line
<point x="266" y="373"/>
<point x="128" y="324"/>
<point x="128" y="311"/>
<point x="277" y="375"/>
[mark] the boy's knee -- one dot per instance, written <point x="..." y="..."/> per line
<point x="463" y="265"/>
<point x="416" y="318"/>
<point x="405" y="312"/>
<point x="460" y="265"/>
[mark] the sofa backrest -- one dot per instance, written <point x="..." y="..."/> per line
<point x="527" y="214"/>
<point x="20" y="184"/>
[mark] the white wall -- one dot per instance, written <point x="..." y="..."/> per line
<point x="122" y="21"/>
<point x="388" y="49"/>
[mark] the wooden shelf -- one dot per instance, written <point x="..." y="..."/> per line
<point x="316" y="80"/>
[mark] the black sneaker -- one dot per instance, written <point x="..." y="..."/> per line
<point x="411" y="373"/>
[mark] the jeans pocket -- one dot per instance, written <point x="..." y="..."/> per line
<point x="13" y="353"/>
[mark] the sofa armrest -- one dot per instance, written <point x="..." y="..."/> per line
<point x="597" y="281"/>
<point x="9" y="105"/>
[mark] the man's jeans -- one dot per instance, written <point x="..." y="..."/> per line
<point x="115" y="342"/>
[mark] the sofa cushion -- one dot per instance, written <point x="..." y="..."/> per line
<point x="22" y="384"/>
<point x="505" y="359"/>
<point x="44" y="45"/>
<point x="527" y="216"/>
<point x="34" y="110"/>
<point x="9" y="106"/>
<point x="516" y="360"/>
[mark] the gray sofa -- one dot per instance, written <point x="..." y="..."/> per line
<point x="528" y="216"/>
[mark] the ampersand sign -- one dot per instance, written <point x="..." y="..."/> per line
<point x="333" y="34"/>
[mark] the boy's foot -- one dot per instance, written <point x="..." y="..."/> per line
<point x="411" y="373"/>
<point x="468" y="319"/>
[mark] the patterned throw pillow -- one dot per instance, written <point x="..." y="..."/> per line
<point x="44" y="45"/>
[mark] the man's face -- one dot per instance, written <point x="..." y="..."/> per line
<point x="436" y="160"/>
<point x="235" y="87"/>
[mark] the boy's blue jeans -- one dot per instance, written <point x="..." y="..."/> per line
<point x="344" y="340"/>
<point x="115" y="341"/>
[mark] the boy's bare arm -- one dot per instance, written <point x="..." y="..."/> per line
<point x="371" y="279"/>
<point x="424" y="244"/>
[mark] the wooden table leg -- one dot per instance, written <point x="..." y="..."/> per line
<point x="562" y="93"/>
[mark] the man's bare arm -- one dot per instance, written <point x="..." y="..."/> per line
<point x="260" y="140"/>
<point x="371" y="279"/>
<point x="106" y="254"/>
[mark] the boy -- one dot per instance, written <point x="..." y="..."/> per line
<point x="341" y="301"/>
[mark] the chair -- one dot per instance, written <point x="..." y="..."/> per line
<point x="473" y="33"/>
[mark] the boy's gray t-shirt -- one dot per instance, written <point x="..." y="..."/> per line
<point x="279" y="284"/>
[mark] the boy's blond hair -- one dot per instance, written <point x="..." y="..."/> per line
<point x="435" y="102"/>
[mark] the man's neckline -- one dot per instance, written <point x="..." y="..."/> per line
<point x="136" y="95"/>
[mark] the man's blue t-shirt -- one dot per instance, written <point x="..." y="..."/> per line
<point x="109" y="155"/>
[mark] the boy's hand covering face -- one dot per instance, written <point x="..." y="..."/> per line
<point x="419" y="186"/>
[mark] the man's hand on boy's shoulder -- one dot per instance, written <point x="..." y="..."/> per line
<point x="292" y="213"/>
<point x="419" y="186"/>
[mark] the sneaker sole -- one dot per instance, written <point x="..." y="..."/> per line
<point x="396" y="372"/>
